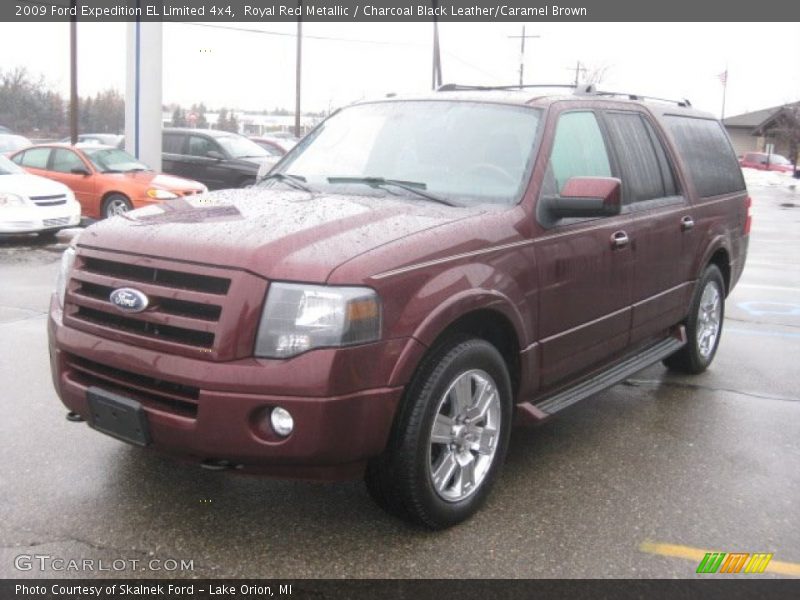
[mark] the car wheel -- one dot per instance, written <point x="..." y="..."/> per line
<point x="116" y="204"/>
<point x="449" y="439"/>
<point x="704" y="325"/>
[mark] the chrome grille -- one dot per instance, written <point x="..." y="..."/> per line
<point x="56" y="200"/>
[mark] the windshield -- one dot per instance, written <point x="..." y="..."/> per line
<point x="240" y="147"/>
<point x="466" y="152"/>
<point x="111" y="160"/>
<point x="9" y="168"/>
<point x="10" y="143"/>
<point x="777" y="159"/>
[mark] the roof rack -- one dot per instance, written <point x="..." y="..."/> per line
<point x="685" y="102"/>
<point x="579" y="90"/>
<point x="457" y="87"/>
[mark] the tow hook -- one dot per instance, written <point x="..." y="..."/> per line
<point x="74" y="417"/>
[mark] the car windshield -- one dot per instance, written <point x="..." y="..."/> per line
<point x="777" y="159"/>
<point x="240" y="147"/>
<point x="10" y="143"/>
<point x="9" y="168"/>
<point x="111" y="160"/>
<point x="464" y="152"/>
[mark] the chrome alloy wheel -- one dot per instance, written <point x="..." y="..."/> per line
<point x="709" y="319"/>
<point x="464" y="435"/>
<point x="116" y="206"/>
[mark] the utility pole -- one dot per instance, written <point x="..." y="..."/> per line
<point x="73" y="76"/>
<point x="522" y="39"/>
<point x="298" y="70"/>
<point x="578" y="69"/>
<point x="723" y="77"/>
<point x="437" y="58"/>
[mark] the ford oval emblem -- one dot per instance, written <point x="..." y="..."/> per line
<point x="129" y="300"/>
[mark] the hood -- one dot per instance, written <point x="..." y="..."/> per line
<point x="290" y="235"/>
<point x="151" y="178"/>
<point x="25" y="184"/>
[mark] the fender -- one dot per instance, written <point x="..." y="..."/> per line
<point x="446" y="314"/>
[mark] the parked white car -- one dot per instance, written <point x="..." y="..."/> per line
<point x="29" y="203"/>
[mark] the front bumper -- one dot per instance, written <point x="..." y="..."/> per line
<point x="27" y="219"/>
<point x="342" y="414"/>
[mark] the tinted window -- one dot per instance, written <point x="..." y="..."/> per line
<point x="578" y="149"/>
<point x="35" y="158"/>
<point x="173" y="143"/>
<point x="646" y="170"/>
<point x="65" y="160"/>
<point x="708" y="155"/>
<point x="200" y="146"/>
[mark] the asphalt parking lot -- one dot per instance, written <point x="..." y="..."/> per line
<point x="639" y="481"/>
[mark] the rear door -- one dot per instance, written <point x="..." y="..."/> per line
<point x="584" y="265"/>
<point x="660" y="218"/>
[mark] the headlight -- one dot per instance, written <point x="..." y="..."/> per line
<point x="67" y="260"/>
<point x="160" y="194"/>
<point x="9" y="200"/>
<point x="299" y="317"/>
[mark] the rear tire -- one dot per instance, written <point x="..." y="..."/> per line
<point x="116" y="204"/>
<point x="449" y="439"/>
<point x="704" y="325"/>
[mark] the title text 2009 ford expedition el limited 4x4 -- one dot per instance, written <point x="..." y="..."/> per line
<point x="411" y="278"/>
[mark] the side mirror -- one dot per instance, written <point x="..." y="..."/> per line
<point x="215" y="154"/>
<point x="587" y="197"/>
<point x="80" y="171"/>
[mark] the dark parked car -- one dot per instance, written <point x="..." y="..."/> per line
<point x="216" y="158"/>
<point x="417" y="274"/>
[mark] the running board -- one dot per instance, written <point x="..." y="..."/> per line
<point x="613" y="376"/>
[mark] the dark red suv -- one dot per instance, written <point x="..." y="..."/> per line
<point x="411" y="279"/>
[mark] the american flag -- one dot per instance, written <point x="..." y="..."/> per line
<point x="723" y="77"/>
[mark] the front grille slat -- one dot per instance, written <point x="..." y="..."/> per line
<point x="150" y="289"/>
<point x="138" y="326"/>
<point x="152" y="393"/>
<point x="164" y="277"/>
<point x="152" y="315"/>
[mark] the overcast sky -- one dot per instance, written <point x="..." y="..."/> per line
<point x="255" y="71"/>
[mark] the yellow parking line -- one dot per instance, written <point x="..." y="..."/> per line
<point x="696" y="555"/>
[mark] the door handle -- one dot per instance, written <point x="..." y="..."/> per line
<point x="619" y="240"/>
<point x="687" y="223"/>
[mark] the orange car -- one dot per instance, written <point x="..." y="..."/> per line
<point x="106" y="181"/>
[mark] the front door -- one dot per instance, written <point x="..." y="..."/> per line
<point x="585" y="265"/>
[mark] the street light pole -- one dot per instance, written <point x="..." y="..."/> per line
<point x="73" y="76"/>
<point x="298" y="70"/>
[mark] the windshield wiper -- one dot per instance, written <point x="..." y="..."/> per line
<point x="415" y="187"/>
<point x="295" y="181"/>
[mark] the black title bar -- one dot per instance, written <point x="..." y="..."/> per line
<point x="270" y="11"/>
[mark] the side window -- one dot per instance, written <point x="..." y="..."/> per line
<point x="65" y="160"/>
<point x="578" y="149"/>
<point x="173" y="143"/>
<point x="200" y="146"/>
<point x="645" y="169"/>
<point x="708" y="154"/>
<point x="35" y="158"/>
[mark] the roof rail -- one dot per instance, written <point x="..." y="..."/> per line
<point x="457" y="87"/>
<point x="579" y="90"/>
<point x="685" y="102"/>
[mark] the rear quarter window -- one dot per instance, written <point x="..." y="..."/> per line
<point x="707" y="154"/>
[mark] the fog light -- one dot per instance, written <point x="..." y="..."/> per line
<point x="282" y="421"/>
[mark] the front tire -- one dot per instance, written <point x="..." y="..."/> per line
<point x="704" y="325"/>
<point x="115" y="204"/>
<point x="450" y="437"/>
